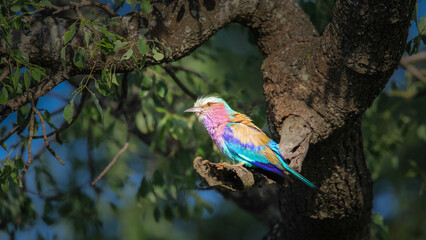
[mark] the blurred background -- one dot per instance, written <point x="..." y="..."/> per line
<point x="152" y="191"/>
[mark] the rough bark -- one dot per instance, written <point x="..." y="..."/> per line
<point x="316" y="89"/>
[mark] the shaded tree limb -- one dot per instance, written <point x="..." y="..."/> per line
<point x="35" y="92"/>
<point x="56" y="9"/>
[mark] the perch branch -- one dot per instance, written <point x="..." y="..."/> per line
<point x="229" y="177"/>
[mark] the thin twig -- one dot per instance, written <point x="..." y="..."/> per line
<point x="30" y="139"/>
<point x="414" y="58"/>
<point x="187" y="70"/>
<point x="18" y="128"/>
<point x="8" y="134"/>
<point x="408" y="61"/>
<point x="46" y="142"/>
<point x="179" y="83"/>
<point x="413" y="70"/>
<point x="122" y="150"/>
<point x="65" y="124"/>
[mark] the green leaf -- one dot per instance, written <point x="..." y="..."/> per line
<point x="114" y="79"/>
<point x="144" y="188"/>
<point x="96" y="101"/>
<point x="118" y="45"/>
<point x="19" y="163"/>
<point x="141" y="122"/>
<point x="3" y="96"/>
<point x="86" y="38"/>
<point x="15" y="78"/>
<point x="63" y="58"/>
<point x="69" y="111"/>
<point x="27" y="80"/>
<point x="5" y="185"/>
<point x="80" y="57"/>
<point x="143" y="47"/>
<point x="16" y="8"/>
<point x="158" y="56"/>
<point x="82" y="24"/>
<point x="127" y="55"/>
<point x="104" y="75"/>
<point x="145" y="7"/>
<point x="161" y="89"/>
<point x="45" y="3"/>
<point x="100" y="90"/>
<point x="421" y="27"/>
<point x="19" y="55"/>
<point x="70" y="33"/>
<point x="36" y="74"/>
<point x="8" y="162"/>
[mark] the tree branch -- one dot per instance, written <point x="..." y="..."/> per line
<point x="35" y="92"/>
<point x="179" y="83"/>
<point x="46" y="142"/>
<point x="73" y="5"/>
<point x="108" y="167"/>
<point x="230" y="177"/>
<point x="407" y="61"/>
<point x="65" y="125"/>
<point x="30" y="138"/>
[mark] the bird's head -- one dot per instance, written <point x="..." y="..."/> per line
<point x="212" y="107"/>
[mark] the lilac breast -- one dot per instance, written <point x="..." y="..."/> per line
<point x="215" y="126"/>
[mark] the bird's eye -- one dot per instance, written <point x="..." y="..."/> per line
<point x="209" y="104"/>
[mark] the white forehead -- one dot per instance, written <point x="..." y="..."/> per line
<point x="204" y="100"/>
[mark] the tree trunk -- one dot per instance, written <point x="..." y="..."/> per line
<point x="339" y="165"/>
<point x="316" y="89"/>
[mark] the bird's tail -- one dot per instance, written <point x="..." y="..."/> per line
<point x="303" y="179"/>
<point x="300" y="177"/>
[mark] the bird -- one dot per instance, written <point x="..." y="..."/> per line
<point x="236" y="137"/>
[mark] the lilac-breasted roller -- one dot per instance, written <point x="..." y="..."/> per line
<point x="239" y="139"/>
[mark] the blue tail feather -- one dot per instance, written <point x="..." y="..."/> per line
<point x="300" y="177"/>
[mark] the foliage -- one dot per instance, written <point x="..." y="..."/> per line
<point x="151" y="191"/>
